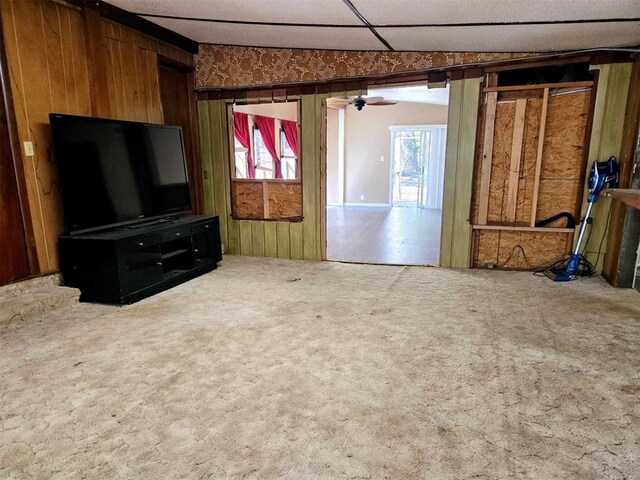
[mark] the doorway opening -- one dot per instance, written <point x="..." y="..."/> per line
<point x="385" y="174"/>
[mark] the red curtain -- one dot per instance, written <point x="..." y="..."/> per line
<point x="290" y="130"/>
<point x="243" y="133"/>
<point x="267" y="128"/>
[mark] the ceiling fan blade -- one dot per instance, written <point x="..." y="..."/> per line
<point x="339" y="100"/>
<point x="382" y="103"/>
<point x="368" y="99"/>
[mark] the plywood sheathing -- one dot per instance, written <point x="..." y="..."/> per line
<point x="563" y="159"/>
<point x="503" y="137"/>
<point x="495" y="246"/>
<point x="285" y="200"/>
<point x="249" y="201"/>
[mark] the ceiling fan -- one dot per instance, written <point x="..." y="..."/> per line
<point x="359" y="102"/>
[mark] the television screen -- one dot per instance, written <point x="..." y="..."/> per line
<point x="114" y="172"/>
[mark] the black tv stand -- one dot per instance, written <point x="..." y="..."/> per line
<point x="124" y="265"/>
<point x="157" y="221"/>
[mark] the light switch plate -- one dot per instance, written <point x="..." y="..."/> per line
<point x="28" y="149"/>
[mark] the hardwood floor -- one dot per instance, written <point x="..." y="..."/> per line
<point x="398" y="235"/>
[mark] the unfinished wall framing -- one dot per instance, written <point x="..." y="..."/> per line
<point x="530" y="164"/>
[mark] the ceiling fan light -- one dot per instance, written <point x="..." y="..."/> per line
<point x="359" y="103"/>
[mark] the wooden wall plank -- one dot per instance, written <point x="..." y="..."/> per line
<point x="539" y="153"/>
<point x="257" y="239"/>
<point x="516" y="157"/>
<point x="296" y="239"/>
<point x="96" y="59"/>
<point x="487" y="156"/>
<point x="246" y="238"/>
<point x="80" y="64"/>
<point x="233" y="235"/>
<point x="270" y="239"/>
<point x="130" y="77"/>
<point x="464" y="100"/>
<point x="283" y="239"/>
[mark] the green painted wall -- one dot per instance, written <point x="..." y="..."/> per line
<point x="606" y="140"/>
<point x="257" y="238"/>
<point x="455" y="243"/>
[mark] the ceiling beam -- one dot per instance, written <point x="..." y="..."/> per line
<point x="390" y="25"/>
<point x="355" y="11"/>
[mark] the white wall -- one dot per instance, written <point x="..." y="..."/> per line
<point x="367" y="138"/>
<point x="333" y="195"/>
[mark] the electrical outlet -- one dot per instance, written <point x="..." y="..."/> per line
<point x="28" y="149"/>
<point x="361" y="197"/>
<point x="382" y="158"/>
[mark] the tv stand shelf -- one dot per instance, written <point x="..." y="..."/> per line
<point x="124" y="265"/>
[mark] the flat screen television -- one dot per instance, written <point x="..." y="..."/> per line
<point x="115" y="172"/>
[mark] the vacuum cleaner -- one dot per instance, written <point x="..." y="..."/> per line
<point x="603" y="175"/>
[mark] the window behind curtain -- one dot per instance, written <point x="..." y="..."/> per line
<point x="288" y="160"/>
<point x="262" y="157"/>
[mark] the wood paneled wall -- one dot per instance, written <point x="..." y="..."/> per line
<point x="606" y="140"/>
<point x="52" y="64"/>
<point x="299" y="240"/>
<point x="455" y="244"/>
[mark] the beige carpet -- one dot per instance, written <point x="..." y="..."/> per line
<point x="288" y="369"/>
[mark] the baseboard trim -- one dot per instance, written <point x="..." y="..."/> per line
<point x="348" y="204"/>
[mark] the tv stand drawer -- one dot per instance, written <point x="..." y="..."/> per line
<point x="138" y="243"/>
<point x="176" y="234"/>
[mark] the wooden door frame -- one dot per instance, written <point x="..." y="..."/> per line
<point x="16" y="156"/>
<point x="198" y="188"/>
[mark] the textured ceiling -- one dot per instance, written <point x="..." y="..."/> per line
<point x="414" y="94"/>
<point x="331" y="24"/>
<point x="273" y="36"/>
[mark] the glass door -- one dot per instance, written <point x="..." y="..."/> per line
<point x="417" y="158"/>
